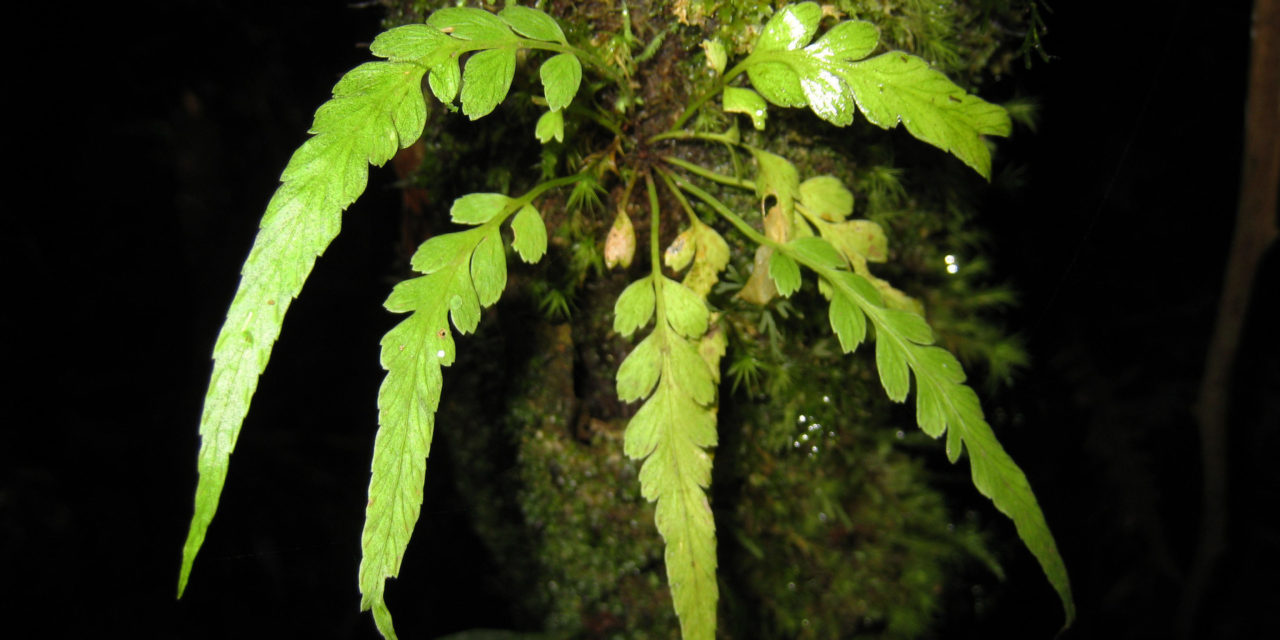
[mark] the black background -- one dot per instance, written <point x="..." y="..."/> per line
<point x="152" y="135"/>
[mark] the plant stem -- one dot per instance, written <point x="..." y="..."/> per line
<point x="684" y="202"/>
<point x="655" y="221"/>
<point x="716" y="88"/>
<point x="726" y="213"/>
<point x="710" y="175"/>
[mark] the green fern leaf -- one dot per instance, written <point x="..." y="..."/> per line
<point x="463" y="272"/>
<point x="445" y="80"/>
<point x="560" y="75"/>
<point x="468" y="23"/>
<point x="634" y="307"/>
<point x="412" y="354"/>
<point x="376" y="109"/>
<point x="486" y="79"/>
<point x="670" y="432"/>
<point x="945" y="404"/>
<point x="532" y="23"/>
<point x="530" y="233"/>
<point x="746" y="101"/>
<point x="828" y="77"/>
<point x="785" y="274"/>
<point x="896" y="87"/>
<point x="410" y="43"/>
<point x="489" y="268"/>
<point x="478" y="208"/>
<point x="790" y="28"/>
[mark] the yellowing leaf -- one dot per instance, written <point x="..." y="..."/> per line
<point x="777" y="177"/>
<point x="712" y="348"/>
<point x="895" y="299"/>
<point x="670" y="432"/>
<point x="759" y="289"/>
<point x="685" y="310"/>
<point x="680" y="252"/>
<point x="860" y="241"/>
<point x="827" y="198"/>
<point x="717" y="57"/>
<point x="620" y="244"/>
<point x="712" y="256"/>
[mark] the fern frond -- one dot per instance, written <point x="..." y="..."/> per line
<point x="944" y="404"/>
<point x="670" y="433"/>
<point x="463" y="272"/>
<point x="376" y="109"/>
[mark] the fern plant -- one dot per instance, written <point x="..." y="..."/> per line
<point x="804" y="233"/>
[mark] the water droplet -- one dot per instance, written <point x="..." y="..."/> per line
<point x="900" y="434"/>
<point x="822" y="516"/>
<point x="814" y="450"/>
<point x="440" y="353"/>
<point x="815" y="426"/>
<point x="791" y="586"/>
<point x="803" y="419"/>
<point x="804" y="437"/>
<point x="826" y="398"/>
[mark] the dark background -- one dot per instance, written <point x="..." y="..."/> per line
<point x="153" y="135"/>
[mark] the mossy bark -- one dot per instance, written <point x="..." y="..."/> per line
<point x="826" y="526"/>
